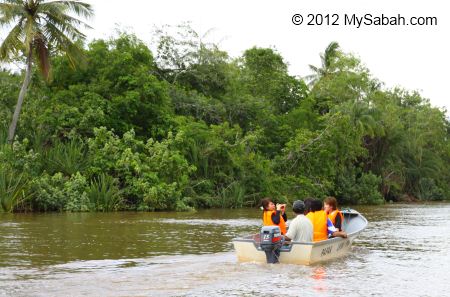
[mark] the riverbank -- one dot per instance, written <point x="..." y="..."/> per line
<point x="130" y="131"/>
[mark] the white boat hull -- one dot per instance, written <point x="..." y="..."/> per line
<point x="305" y="253"/>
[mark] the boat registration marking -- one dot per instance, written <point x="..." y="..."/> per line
<point x="342" y="245"/>
<point x="326" y="251"/>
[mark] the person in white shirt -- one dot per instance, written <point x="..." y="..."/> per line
<point x="300" y="228"/>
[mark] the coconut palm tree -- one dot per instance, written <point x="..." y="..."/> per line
<point x="40" y="28"/>
<point x="327" y="59"/>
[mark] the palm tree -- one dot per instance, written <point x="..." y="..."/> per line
<point x="39" y="29"/>
<point x="365" y="119"/>
<point x="327" y="59"/>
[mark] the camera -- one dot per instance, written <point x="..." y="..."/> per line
<point x="282" y="206"/>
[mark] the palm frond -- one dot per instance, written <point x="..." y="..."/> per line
<point x="9" y="12"/>
<point x="330" y="53"/>
<point x="65" y="27"/>
<point x="43" y="25"/>
<point x="17" y="2"/>
<point x="63" y="43"/>
<point x="79" y="8"/>
<point x="314" y="69"/>
<point x="12" y="44"/>
<point x="62" y="19"/>
<point x="59" y="14"/>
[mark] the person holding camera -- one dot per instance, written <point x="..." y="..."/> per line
<point x="274" y="215"/>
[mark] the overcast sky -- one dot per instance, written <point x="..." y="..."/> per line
<point x="413" y="57"/>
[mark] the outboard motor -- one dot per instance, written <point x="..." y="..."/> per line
<point x="271" y="242"/>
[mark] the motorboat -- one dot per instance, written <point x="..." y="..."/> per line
<point x="250" y="249"/>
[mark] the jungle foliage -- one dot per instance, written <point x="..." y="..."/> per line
<point x="187" y="126"/>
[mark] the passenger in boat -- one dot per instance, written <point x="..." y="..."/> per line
<point x="322" y="226"/>
<point x="334" y="214"/>
<point x="274" y="215"/>
<point x="308" y="201"/>
<point x="300" y="228"/>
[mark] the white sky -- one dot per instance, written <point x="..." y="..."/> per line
<point x="413" y="57"/>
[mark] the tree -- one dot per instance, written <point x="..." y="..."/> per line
<point x="327" y="58"/>
<point x="265" y="76"/>
<point x="40" y="28"/>
<point x="188" y="59"/>
<point x="341" y="78"/>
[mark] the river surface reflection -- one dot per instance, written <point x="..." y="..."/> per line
<point x="404" y="251"/>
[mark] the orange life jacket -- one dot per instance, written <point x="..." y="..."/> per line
<point x="319" y="221"/>
<point x="267" y="220"/>
<point x="332" y="216"/>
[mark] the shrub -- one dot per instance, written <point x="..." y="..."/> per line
<point x="13" y="189"/>
<point x="49" y="193"/>
<point x="232" y="196"/>
<point x="104" y="193"/>
<point x="67" y="158"/>
<point x="58" y="193"/>
<point x="360" y="190"/>
<point x="428" y="190"/>
<point x="75" y="190"/>
<point x="158" y="197"/>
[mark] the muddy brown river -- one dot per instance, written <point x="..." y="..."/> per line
<point x="404" y="251"/>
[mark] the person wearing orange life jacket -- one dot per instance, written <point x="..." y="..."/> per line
<point x="335" y="216"/>
<point x="274" y="215"/>
<point x="322" y="226"/>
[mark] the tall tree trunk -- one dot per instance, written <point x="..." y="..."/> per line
<point x="23" y="91"/>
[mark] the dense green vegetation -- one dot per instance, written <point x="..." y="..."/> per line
<point x="39" y="29"/>
<point x="187" y="126"/>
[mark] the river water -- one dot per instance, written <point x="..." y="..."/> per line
<point x="404" y="251"/>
